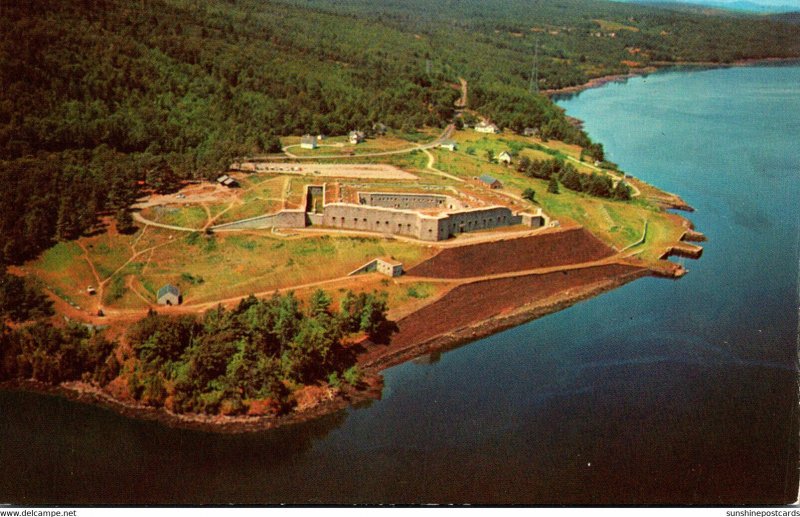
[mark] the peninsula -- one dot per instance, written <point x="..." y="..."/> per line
<point x="193" y="238"/>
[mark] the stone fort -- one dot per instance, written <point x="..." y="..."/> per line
<point x="427" y="217"/>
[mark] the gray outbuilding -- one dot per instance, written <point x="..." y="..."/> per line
<point x="169" y="295"/>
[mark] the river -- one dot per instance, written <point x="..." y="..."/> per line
<point x="661" y="391"/>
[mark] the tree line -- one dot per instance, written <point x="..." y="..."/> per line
<point x="559" y="172"/>
<point x="102" y="101"/>
<point x="259" y="351"/>
<point x="225" y="362"/>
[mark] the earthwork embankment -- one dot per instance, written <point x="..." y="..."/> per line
<point x="480" y="308"/>
<point x="558" y="248"/>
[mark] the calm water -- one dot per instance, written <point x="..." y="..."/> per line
<point x="661" y="391"/>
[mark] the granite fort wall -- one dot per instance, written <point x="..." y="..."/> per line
<point x="413" y="224"/>
<point x="372" y="219"/>
<point x="476" y="219"/>
<point x="406" y="201"/>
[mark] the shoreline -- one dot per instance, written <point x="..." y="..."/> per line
<point x="372" y="385"/>
<point x="657" y="66"/>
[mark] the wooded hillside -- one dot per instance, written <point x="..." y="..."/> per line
<point x="101" y="98"/>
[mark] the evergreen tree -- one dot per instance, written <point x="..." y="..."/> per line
<point x="529" y="194"/>
<point x="67" y="223"/>
<point x="125" y="221"/>
<point x="621" y="191"/>
<point x="571" y="178"/>
<point x="523" y="164"/>
<point x="319" y="303"/>
<point x="552" y="185"/>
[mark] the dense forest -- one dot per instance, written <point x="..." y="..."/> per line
<point x="249" y="359"/>
<point x="103" y="98"/>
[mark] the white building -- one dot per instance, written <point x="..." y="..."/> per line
<point x="486" y="127"/>
<point x="356" y="137"/>
<point x="504" y="158"/>
<point x="450" y="145"/>
<point x="308" y="142"/>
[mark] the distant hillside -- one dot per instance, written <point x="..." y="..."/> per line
<point x="101" y="96"/>
<point x="793" y="17"/>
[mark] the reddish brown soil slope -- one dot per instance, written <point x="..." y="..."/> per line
<point x="546" y="250"/>
<point x="475" y="302"/>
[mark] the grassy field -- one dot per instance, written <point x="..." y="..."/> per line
<point x="186" y="216"/>
<point x="615" y="26"/>
<point x="340" y="145"/>
<point x="235" y="265"/>
<point x="252" y="208"/>
<point x="208" y="268"/>
<point x="64" y="270"/>
<point x="617" y="223"/>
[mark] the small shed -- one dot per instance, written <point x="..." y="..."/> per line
<point x="450" y="145"/>
<point x="531" y="131"/>
<point x="490" y="181"/>
<point x="486" y="127"/>
<point x="355" y="137"/>
<point x="227" y="181"/>
<point x="504" y="158"/>
<point x="383" y="265"/>
<point x="169" y="295"/>
<point x="308" y="142"/>
<point x="389" y="267"/>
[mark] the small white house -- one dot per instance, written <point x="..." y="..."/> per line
<point x="355" y="137"/>
<point x="450" y="145"/>
<point x="486" y="127"/>
<point x="504" y="158"/>
<point x="308" y="142"/>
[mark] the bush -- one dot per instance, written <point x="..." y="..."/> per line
<point x="114" y="290"/>
<point x="194" y="280"/>
<point x="352" y="375"/>
<point x="529" y="194"/>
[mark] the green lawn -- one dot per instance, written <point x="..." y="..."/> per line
<point x="234" y="265"/>
<point x="191" y="216"/>
<point x="60" y="257"/>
